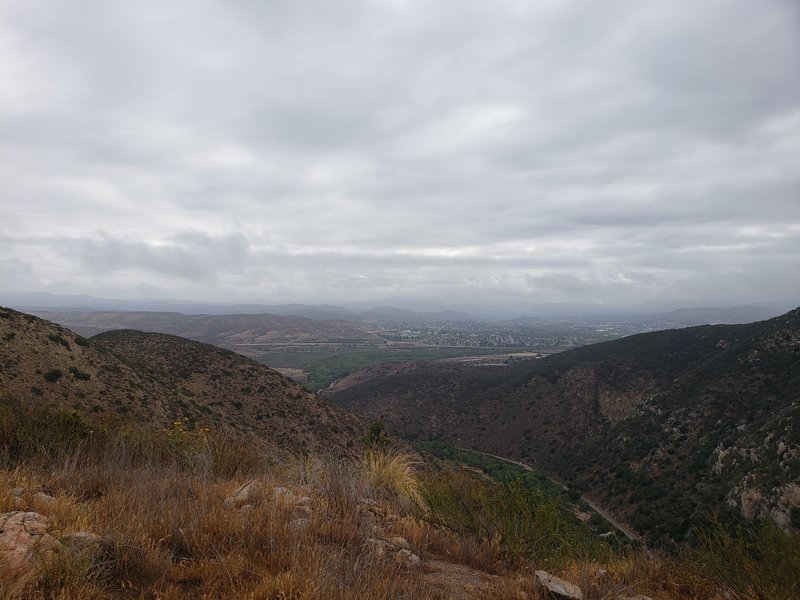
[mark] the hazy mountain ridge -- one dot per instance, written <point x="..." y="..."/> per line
<point x="708" y="311"/>
<point x="665" y="428"/>
<point x="159" y="378"/>
<point x="225" y="330"/>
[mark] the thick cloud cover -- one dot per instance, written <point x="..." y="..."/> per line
<point x="306" y="151"/>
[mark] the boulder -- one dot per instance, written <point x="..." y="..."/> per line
<point x="558" y="587"/>
<point x="87" y="544"/>
<point x="44" y="498"/>
<point x="244" y="495"/>
<point x="24" y="543"/>
<point x="751" y="503"/>
<point x="407" y="558"/>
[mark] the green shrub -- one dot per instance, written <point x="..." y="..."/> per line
<point x="42" y="434"/>
<point x="754" y="560"/>
<point x="54" y="375"/>
<point x="59" y="339"/>
<point x="52" y="435"/>
<point x="525" y="523"/>
<point x="376" y="438"/>
<point x="79" y="375"/>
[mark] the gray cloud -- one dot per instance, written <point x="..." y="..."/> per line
<point x="549" y="151"/>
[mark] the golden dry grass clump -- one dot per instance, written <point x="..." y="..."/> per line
<point x="393" y="473"/>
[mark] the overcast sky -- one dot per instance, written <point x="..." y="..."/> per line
<point x="325" y="150"/>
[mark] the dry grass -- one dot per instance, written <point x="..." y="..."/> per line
<point x="393" y="473"/>
<point x="158" y="500"/>
<point x="170" y="537"/>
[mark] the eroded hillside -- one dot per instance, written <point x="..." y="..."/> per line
<point x="160" y="378"/>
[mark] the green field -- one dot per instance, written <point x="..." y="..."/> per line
<point x="324" y="364"/>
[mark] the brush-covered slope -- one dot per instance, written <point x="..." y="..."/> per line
<point x="159" y="378"/>
<point x="664" y="428"/>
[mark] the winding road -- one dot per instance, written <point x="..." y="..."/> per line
<point x="631" y="535"/>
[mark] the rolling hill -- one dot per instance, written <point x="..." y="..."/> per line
<point x="160" y="378"/>
<point x="222" y="330"/>
<point x="666" y="429"/>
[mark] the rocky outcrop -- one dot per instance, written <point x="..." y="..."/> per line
<point x="87" y="545"/>
<point x="788" y="501"/>
<point x="397" y="547"/>
<point x="751" y="500"/>
<point x="246" y="494"/>
<point x="25" y="542"/>
<point x="558" y="587"/>
<point x="407" y="558"/>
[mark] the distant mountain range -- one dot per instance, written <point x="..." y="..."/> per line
<point x="399" y="307"/>
<point x="667" y="429"/>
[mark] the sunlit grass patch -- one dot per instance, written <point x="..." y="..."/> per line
<point x="393" y="473"/>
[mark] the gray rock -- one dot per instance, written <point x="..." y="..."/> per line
<point x="43" y="497"/>
<point x="558" y="587"/>
<point x="244" y="495"/>
<point x="407" y="558"/>
<point x="24" y="541"/>
<point x="87" y="544"/>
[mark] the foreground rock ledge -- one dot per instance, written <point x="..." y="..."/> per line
<point x="24" y="542"/>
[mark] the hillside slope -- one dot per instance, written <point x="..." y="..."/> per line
<point x="160" y="378"/>
<point x="665" y="429"/>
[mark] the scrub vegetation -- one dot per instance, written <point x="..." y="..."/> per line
<point x="157" y="500"/>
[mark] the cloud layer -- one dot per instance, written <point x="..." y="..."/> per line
<point x="321" y="151"/>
